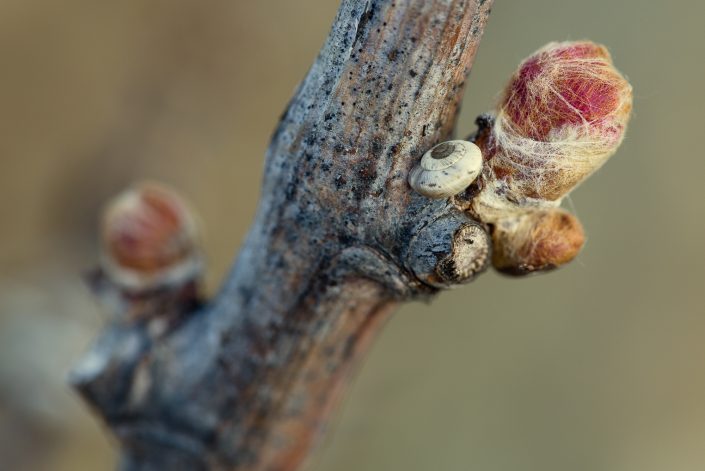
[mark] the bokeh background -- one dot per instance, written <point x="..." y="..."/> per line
<point x="597" y="367"/>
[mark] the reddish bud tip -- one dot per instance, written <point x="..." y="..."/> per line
<point x="149" y="238"/>
<point x="567" y="84"/>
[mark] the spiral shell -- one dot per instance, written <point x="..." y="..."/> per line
<point x="447" y="169"/>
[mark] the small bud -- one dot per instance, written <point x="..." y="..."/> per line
<point x="536" y="241"/>
<point x="150" y="240"/>
<point x="562" y="114"/>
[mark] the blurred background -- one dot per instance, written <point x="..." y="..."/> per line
<point x="597" y="367"/>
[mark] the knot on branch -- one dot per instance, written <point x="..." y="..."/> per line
<point x="450" y="250"/>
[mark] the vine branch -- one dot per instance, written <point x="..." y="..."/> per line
<point x="246" y="381"/>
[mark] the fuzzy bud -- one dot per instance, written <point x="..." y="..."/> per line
<point x="536" y="241"/>
<point x="150" y="239"/>
<point x="562" y="114"/>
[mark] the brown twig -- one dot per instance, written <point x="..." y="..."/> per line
<point x="246" y="382"/>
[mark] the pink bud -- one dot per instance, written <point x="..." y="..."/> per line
<point x="562" y="114"/>
<point x="149" y="238"/>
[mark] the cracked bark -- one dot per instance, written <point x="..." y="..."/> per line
<point x="246" y="381"/>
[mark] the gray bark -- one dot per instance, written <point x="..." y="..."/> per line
<point x="246" y="381"/>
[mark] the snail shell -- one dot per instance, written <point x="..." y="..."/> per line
<point x="447" y="169"/>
